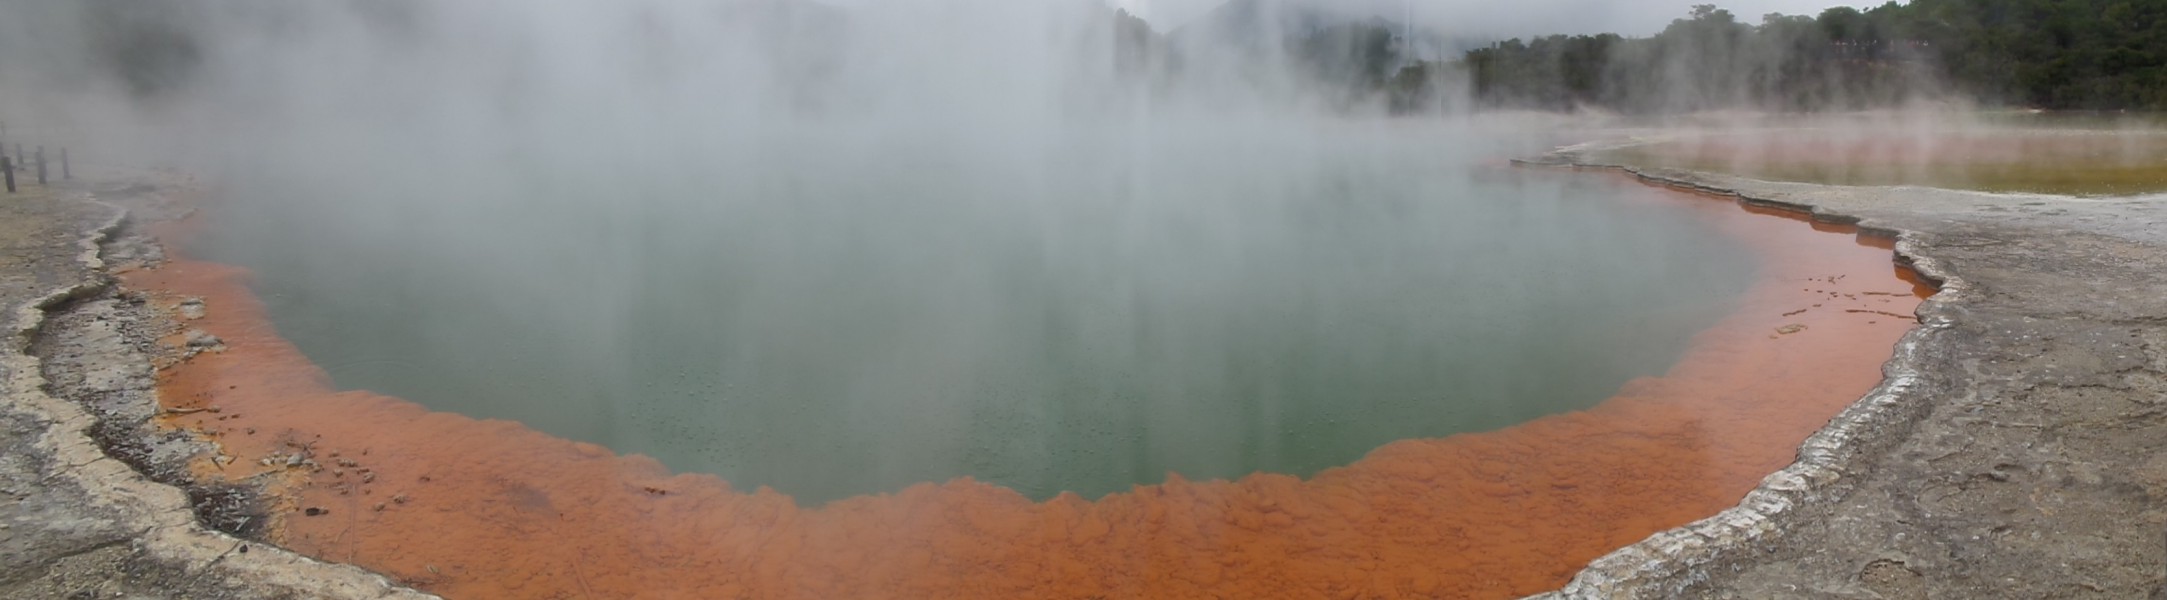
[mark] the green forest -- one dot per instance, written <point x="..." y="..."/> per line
<point x="2047" y="54"/>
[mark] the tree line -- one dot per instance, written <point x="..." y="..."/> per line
<point x="2050" y="54"/>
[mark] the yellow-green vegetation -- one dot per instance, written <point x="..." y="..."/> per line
<point x="2079" y="163"/>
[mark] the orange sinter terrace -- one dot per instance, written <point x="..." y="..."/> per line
<point x="471" y="508"/>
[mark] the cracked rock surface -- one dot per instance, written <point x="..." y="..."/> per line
<point x="82" y="514"/>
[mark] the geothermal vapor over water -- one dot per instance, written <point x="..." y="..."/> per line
<point x="865" y="253"/>
<point x="844" y="249"/>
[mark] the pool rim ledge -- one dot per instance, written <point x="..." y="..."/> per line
<point x="1831" y="461"/>
<point x="163" y="517"/>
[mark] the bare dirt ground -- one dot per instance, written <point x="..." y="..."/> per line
<point x="2019" y="448"/>
<point x="1995" y="159"/>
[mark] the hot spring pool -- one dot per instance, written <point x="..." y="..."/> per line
<point x="831" y="319"/>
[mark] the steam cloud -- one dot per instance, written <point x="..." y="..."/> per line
<point x="923" y="194"/>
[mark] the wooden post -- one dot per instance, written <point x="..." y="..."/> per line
<point x="64" y="172"/>
<point x="41" y="165"/>
<point x="8" y="166"/>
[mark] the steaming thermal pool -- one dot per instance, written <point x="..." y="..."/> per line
<point x="833" y="320"/>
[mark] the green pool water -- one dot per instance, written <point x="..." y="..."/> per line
<point x="1082" y="314"/>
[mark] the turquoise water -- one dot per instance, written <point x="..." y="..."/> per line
<point x="834" y="319"/>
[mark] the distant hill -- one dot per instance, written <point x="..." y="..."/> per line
<point x="1257" y="24"/>
<point x="1346" y="51"/>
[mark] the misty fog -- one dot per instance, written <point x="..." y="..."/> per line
<point x="842" y="248"/>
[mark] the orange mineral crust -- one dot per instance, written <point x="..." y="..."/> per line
<point x="490" y="509"/>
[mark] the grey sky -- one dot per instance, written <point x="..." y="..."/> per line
<point x="1521" y="18"/>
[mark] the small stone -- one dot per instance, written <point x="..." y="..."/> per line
<point x="316" y="512"/>
<point x="198" y="338"/>
<point x="379" y="507"/>
<point x="1790" y="329"/>
<point x="400" y="499"/>
<point x="192" y="308"/>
